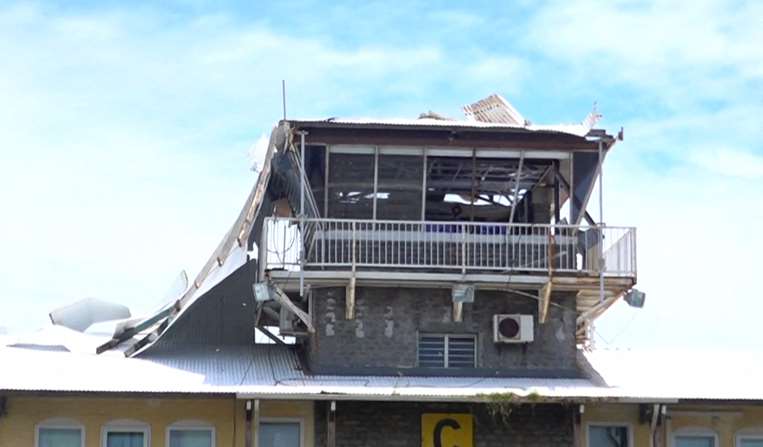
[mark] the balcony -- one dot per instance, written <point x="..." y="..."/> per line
<point x="393" y="248"/>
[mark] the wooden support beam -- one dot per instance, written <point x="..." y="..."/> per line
<point x="576" y="431"/>
<point x="270" y="335"/>
<point x="592" y="313"/>
<point x="574" y="199"/>
<point x="349" y="310"/>
<point x="249" y="411"/>
<point x="256" y="424"/>
<point x="286" y="302"/>
<point x="331" y="420"/>
<point x="458" y="311"/>
<point x="544" y="302"/>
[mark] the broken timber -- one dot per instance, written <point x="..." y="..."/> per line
<point x="286" y="302"/>
<point x="238" y="234"/>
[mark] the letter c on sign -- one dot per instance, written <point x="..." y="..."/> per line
<point x="440" y="426"/>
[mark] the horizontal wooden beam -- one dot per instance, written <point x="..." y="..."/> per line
<point x="451" y="138"/>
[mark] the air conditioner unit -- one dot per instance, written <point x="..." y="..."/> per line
<point x="512" y="328"/>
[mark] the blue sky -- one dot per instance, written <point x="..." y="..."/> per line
<point x="126" y="131"/>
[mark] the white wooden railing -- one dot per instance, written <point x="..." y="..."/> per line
<point x="294" y="243"/>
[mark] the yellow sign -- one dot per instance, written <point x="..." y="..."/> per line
<point x="447" y="430"/>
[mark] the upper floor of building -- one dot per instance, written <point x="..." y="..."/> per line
<point x="443" y="196"/>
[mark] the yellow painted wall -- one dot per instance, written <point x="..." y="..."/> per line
<point x="726" y="420"/>
<point x="227" y="415"/>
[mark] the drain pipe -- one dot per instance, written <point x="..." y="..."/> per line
<point x="601" y="223"/>
<point x="658" y="411"/>
<point x="302" y="134"/>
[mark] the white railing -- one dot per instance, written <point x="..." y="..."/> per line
<point x="467" y="246"/>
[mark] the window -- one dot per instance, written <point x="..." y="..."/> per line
<point x="400" y="176"/>
<point x="750" y="438"/>
<point x="351" y="183"/>
<point x="60" y="433"/>
<point x="695" y="437"/>
<point x="694" y="441"/>
<point x="447" y="351"/>
<point x="608" y="435"/>
<point x="280" y="433"/>
<point x="125" y="433"/>
<point x="190" y="434"/>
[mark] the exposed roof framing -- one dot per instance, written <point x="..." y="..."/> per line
<point x="235" y="239"/>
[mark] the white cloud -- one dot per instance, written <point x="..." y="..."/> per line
<point x="728" y="161"/>
<point x="125" y="136"/>
<point x="688" y="50"/>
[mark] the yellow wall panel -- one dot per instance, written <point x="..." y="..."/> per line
<point x="227" y="415"/>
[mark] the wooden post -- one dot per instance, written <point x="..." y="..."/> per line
<point x="544" y="302"/>
<point x="576" y="432"/>
<point x="349" y="312"/>
<point x="256" y="424"/>
<point x="331" y="430"/>
<point x="248" y="423"/>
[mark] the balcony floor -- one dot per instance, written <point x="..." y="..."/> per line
<point x="289" y="280"/>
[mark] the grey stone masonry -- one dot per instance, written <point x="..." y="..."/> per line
<point x="398" y="424"/>
<point x="383" y="336"/>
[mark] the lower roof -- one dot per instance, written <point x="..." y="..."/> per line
<point x="274" y="372"/>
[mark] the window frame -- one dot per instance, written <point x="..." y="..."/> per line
<point x="755" y="434"/>
<point x="287" y="420"/>
<point x="694" y="431"/>
<point x="446" y="337"/>
<point x="628" y="426"/>
<point x="190" y="425"/>
<point x="126" y="426"/>
<point x="59" y="423"/>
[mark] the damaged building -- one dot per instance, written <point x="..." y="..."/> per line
<point x="427" y="282"/>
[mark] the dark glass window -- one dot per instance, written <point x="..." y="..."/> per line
<point x="398" y="194"/>
<point x="607" y="436"/>
<point x="351" y="186"/>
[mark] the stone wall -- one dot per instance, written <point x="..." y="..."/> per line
<point x="383" y="336"/>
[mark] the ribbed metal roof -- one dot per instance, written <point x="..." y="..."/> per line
<point x="258" y="370"/>
<point x="273" y="371"/>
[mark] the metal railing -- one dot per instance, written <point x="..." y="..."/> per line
<point x="293" y="243"/>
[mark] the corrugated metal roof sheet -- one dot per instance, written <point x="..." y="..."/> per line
<point x="494" y="109"/>
<point x="266" y="370"/>
<point x="274" y="371"/>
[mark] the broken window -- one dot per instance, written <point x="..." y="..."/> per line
<point x="315" y="170"/>
<point x="481" y="189"/>
<point x="385" y="183"/>
<point x="400" y="176"/>
<point x="351" y="183"/>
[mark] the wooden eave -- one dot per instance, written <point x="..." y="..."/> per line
<point x="326" y="132"/>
